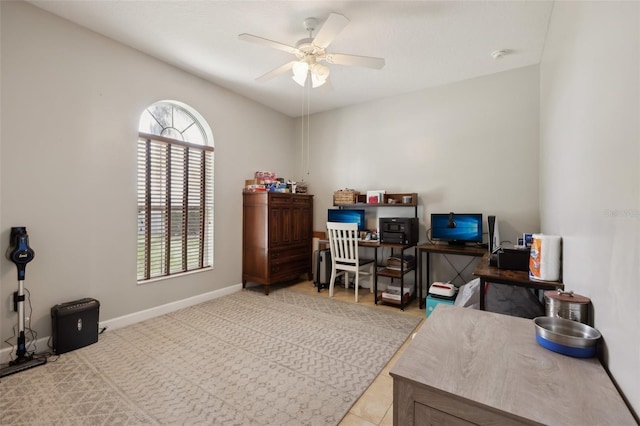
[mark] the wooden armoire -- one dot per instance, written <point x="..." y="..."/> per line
<point x="277" y="233"/>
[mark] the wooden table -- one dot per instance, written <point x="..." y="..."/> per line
<point x="442" y="249"/>
<point x="493" y="274"/>
<point x="466" y="366"/>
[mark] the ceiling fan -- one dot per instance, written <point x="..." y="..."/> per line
<point x="311" y="51"/>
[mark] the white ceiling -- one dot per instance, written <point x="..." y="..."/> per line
<point x="424" y="43"/>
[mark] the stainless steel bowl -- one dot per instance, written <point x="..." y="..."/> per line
<point x="566" y="337"/>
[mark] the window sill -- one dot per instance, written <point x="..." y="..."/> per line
<point x="173" y="276"/>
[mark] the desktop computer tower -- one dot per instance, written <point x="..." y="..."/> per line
<point x="322" y="273"/>
<point x="494" y="239"/>
<point x="74" y="325"/>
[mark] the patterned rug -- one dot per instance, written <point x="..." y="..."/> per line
<point x="289" y="358"/>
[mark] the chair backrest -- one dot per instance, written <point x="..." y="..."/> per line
<point x="343" y="242"/>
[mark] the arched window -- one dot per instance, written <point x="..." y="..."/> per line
<point x="175" y="191"/>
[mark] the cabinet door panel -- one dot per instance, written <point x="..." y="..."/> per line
<point x="301" y="219"/>
<point x="279" y="226"/>
<point x="301" y="230"/>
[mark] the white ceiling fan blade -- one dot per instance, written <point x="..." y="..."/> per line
<point x="269" y="43"/>
<point x="354" y="60"/>
<point x="330" y="29"/>
<point x="276" y="72"/>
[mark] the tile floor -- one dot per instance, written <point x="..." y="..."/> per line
<point x="375" y="406"/>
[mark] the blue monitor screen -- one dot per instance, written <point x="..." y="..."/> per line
<point x="347" y="216"/>
<point x="457" y="227"/>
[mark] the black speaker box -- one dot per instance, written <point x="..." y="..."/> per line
<point x="74" y="324"/>
<point x="515" y="259"/>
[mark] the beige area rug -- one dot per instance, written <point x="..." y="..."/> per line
<point x="289" y="358"/>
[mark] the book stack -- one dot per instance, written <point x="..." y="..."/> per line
<point x="393" y="293"/>
<point x="405" y="262"/>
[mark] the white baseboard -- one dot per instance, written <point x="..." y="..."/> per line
<point x="7" y="354"/>
<point x="125" y="320"/>
<point x="135" y="317"/>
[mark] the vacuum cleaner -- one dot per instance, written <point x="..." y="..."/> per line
<point x="20" y="253"/>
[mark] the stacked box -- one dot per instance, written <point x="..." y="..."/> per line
<point x="255" y="188"/>
<point x="432" y="302"/>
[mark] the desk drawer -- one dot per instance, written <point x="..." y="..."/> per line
<point x="289" y="254"/>
<point x="289" y="270"/>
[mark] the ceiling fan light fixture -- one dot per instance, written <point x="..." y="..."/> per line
<point x="300" y="71"/>
<point x="321" y="71"/>
<point x="319" y="75"/>
<point x="300" y="80"/>
<point x="316" y="82"/>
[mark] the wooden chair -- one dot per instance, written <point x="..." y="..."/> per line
<point x="343" y="243"/>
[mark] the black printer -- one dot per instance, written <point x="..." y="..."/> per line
<point x="399" y="230"/>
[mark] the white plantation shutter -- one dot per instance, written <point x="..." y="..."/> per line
<point x="175" y="206"/>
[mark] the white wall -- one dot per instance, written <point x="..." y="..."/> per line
<point x="466" y="147"/>
<point x="590" y="168"/>
<point x="71" y="101"/>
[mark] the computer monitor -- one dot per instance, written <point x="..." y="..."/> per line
<point x="347" y="216"/>
<point x="457" y="228"/>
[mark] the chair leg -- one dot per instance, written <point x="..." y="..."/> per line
<point x="371" y="278"/>
<point x="332" y="281"/>
<point x="356" y="283"/>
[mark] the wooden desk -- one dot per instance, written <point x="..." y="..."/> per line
<point x="466" y="366"/>
<point x="493" y="274"/>
<point x="442" y="249"/>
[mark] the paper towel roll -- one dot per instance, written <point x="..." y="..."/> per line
<point x="544" y="262"/>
